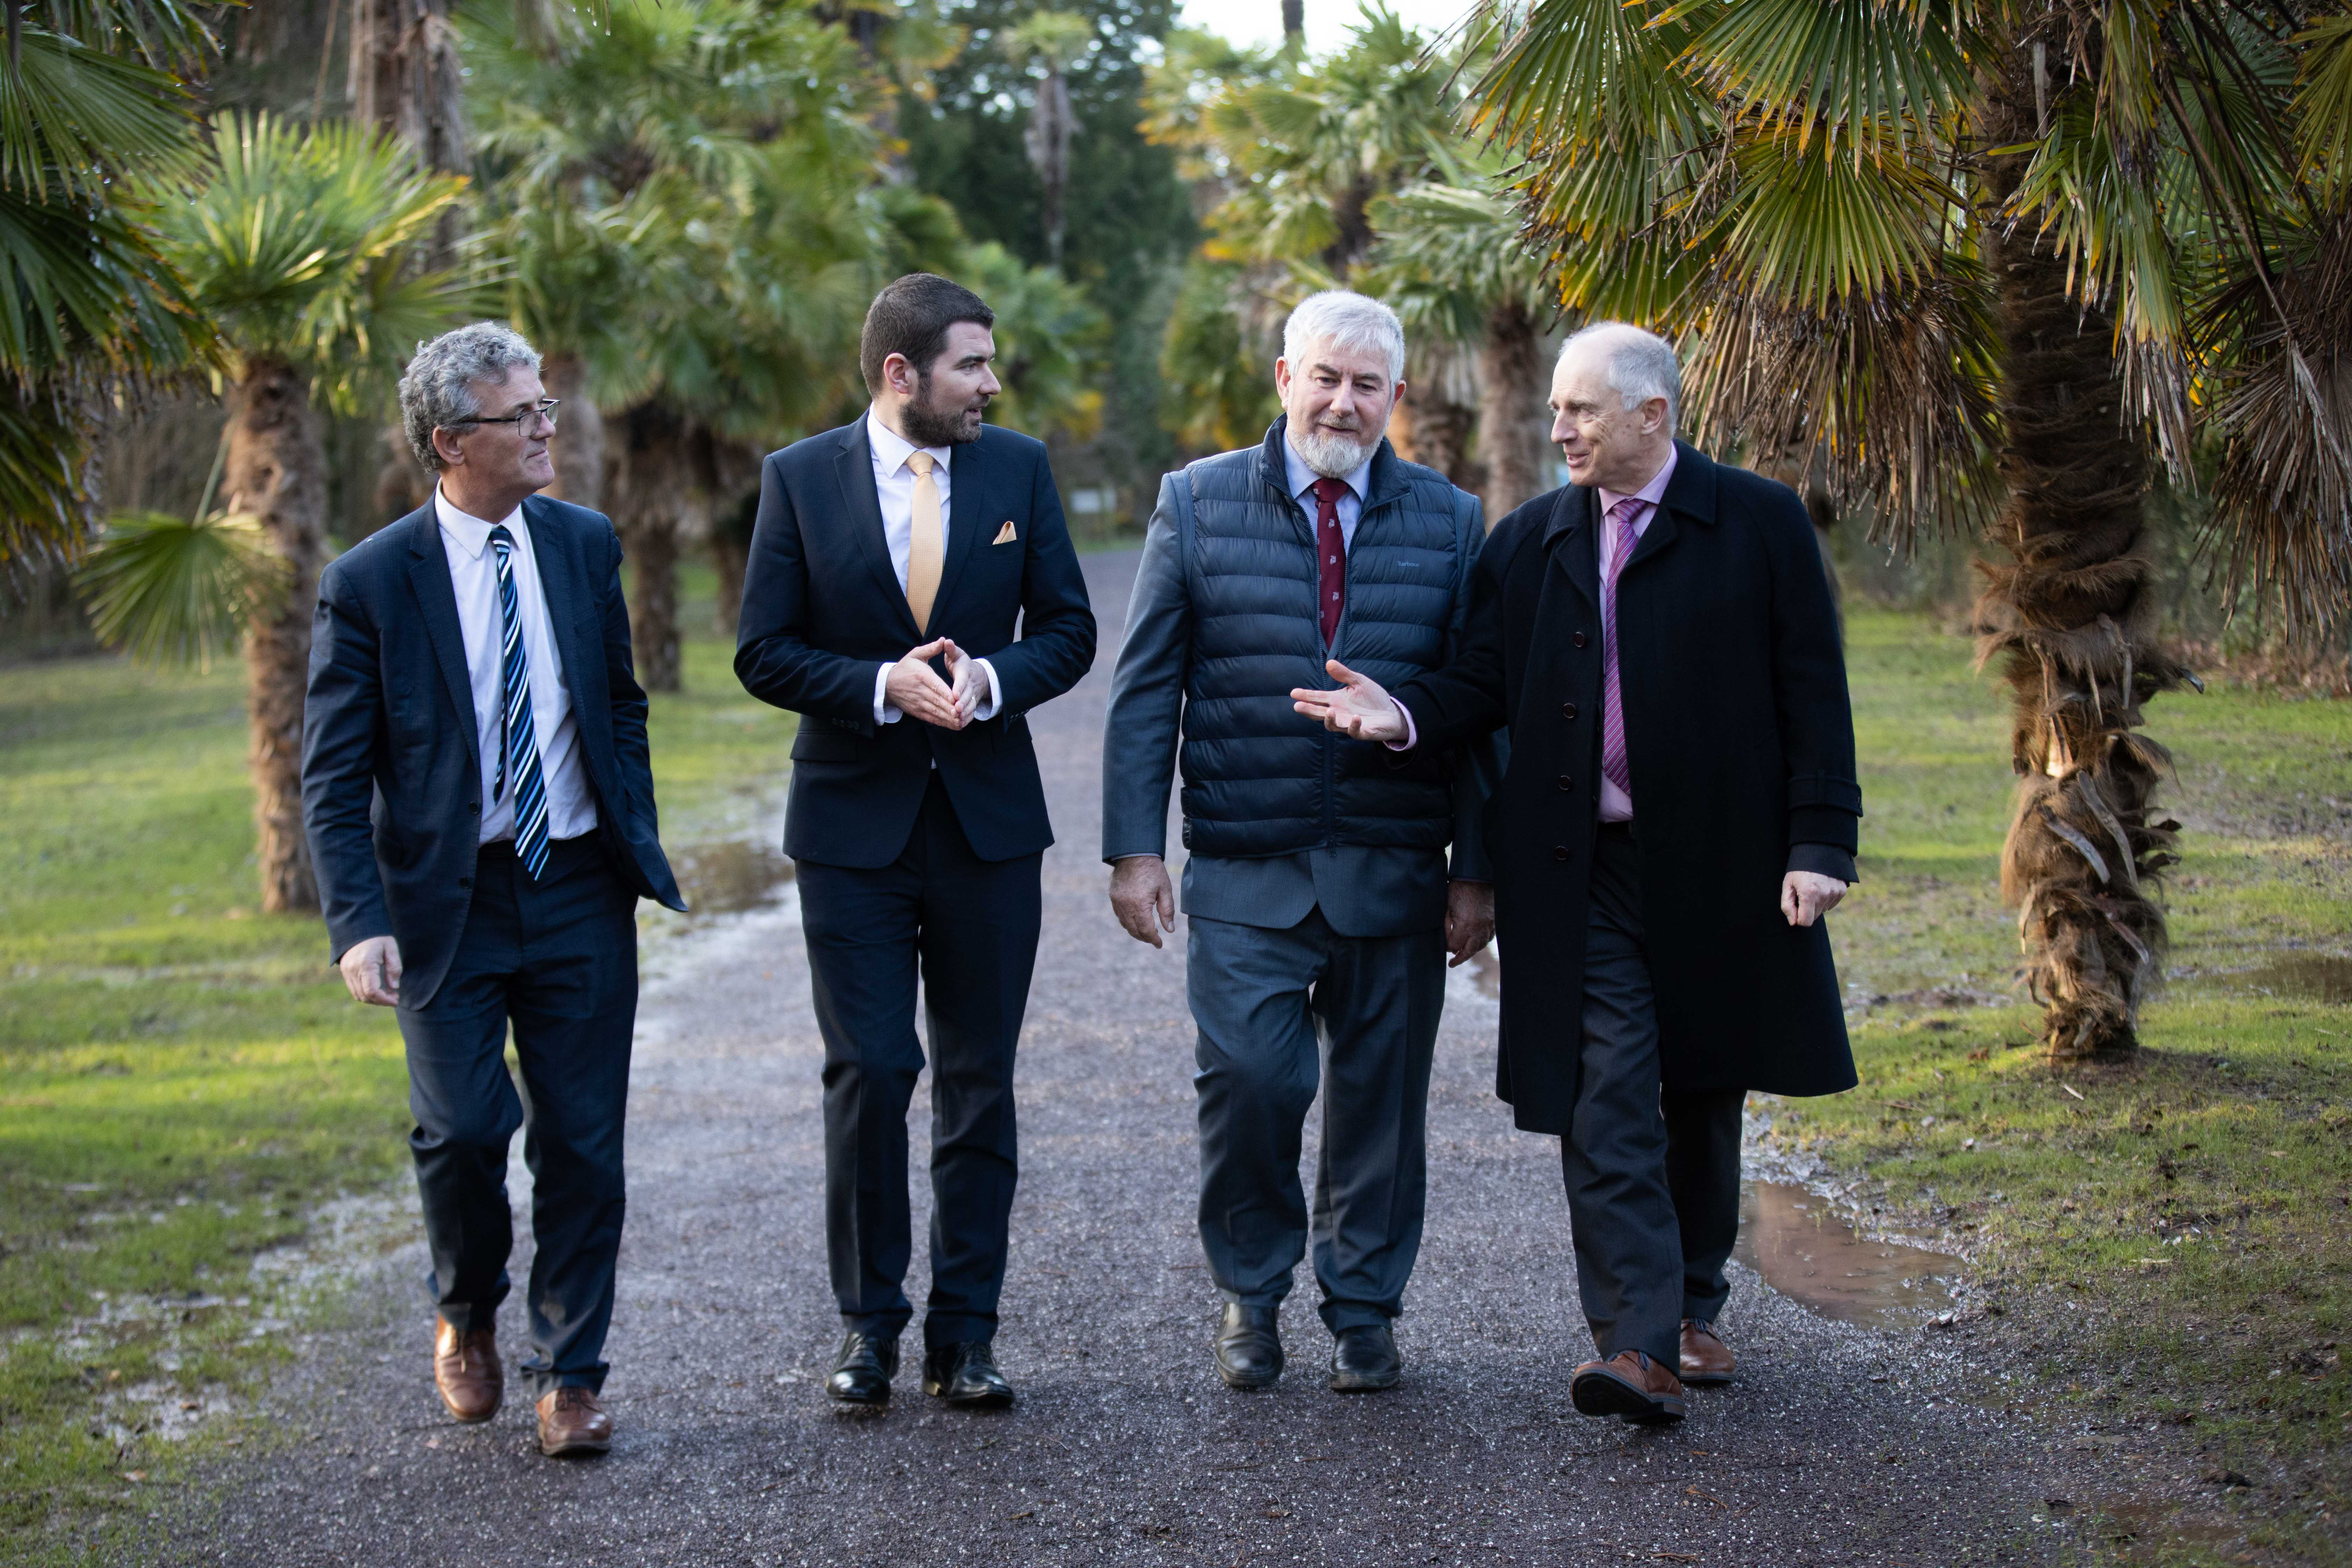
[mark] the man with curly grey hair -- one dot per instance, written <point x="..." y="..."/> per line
<point x="480" y="810"/>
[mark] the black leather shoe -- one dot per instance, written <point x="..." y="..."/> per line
<point x="1364" y="1359"/>
<point x="1249" y="1347"/>
<point x="863" y="1369"/>
<point x="966" y="1375"/>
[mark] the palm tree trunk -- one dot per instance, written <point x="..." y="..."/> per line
<point x="277" y="473"/>
<point x="1294" y="24"/>
<point x="2070" y="619"/>
<point x="407" y="80"/>
<point x="656" y="500"/>
<point x="579" y="445"/>
<point x="1511" y="431"/>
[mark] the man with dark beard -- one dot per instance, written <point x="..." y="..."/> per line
<point x="1318" y="890"/>
<point x="890" y="564"/>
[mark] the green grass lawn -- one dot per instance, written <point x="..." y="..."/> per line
<point x="2170" y="1240"/>
<point x="183" y="1080"/>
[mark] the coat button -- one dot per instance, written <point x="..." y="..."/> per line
<point x="465" y="882"/>
<point x="474" y="806"/>
<point x="1568" y="709"/>
<point x="1566" y="782"/>
<point x="1578" y="639"/>
<point x="1560" y="851"/>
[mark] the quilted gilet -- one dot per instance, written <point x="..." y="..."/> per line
<point x="1258" y="779"/>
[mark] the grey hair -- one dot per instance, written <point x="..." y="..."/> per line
<point x="1641" y="365"/>
<point x="437" y="388"/>
<point x="1349" y="320"/>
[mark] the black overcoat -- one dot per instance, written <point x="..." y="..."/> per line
<point x="1741" y="744"/>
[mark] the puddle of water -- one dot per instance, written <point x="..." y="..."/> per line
<point x="2313" y="976"/>
<point x="1791" y="1237"/>
<point x="722" y="878"/>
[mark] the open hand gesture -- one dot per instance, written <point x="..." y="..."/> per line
<point x="1361" y="708"/>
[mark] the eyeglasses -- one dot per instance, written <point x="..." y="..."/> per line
<point x="545" y="409"/>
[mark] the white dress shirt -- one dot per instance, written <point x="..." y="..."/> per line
<point x="1351" y="503"/>
<point x="1615" y="805"/>
<point x="894" y="487"/>
<point x="474" y="576"/>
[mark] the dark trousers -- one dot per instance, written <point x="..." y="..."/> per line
<point x="969" y="927"/>
<point x="1652" y="1177"/>
<point x="1276" y="1011"/>
<point x="558" y="959"/>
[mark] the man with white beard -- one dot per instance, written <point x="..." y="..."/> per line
<point x="1320" y="900"/>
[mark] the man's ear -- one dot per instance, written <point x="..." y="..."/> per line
<point x="898" y="373"/>
<point x="444" y="442"/>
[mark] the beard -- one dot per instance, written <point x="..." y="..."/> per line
<point x="933" y="421"/>
<point x="1334" y="454"/>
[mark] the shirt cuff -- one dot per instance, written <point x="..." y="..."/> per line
<point x="883" y="713"/>
<point x="1412" y="734"/>
<point x="996" y="698"/>
<point x="1823" y="859"/>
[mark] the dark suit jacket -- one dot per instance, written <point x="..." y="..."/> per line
<point x="392" y="775"/>
<point x="1741" y="745"/>
<point x="822" y="606"/>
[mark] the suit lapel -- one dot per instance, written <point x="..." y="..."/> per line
<point x="1690" y="494"/>
<point x="428" y="573"/>
<point x="1572" y="536"/>
<point x="966" y="518"/>
<point x="861" y="506"/>
<point x="567" y="599"/>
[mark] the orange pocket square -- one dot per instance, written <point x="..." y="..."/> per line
<point x="1007" y="534"/>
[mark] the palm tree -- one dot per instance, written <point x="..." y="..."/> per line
<point x="687" y="196"/>
<point x="1449" y="259"/>
<point x="1053" y="41"/>
<point x="297" y="245"/>
<point x="1996" y="264"/>
<point x="90" y="315"/>
<point x="1295" y="153"/>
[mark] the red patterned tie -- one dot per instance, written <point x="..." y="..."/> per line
<point x="1612" y="699"/>
<point x="1331" y="555"/>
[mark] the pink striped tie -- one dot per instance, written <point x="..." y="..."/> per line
<point x="1612" y="698"/>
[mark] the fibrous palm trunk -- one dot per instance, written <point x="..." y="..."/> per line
<point x="663" y="477"/>
<point x="1051" y="126"/>
<point x="277" y="473"/>
<point x="405" y="77"/>
<point x="1512" y="436"/>
<point x="2071" y="619"/>
<point x="578" y="448"/>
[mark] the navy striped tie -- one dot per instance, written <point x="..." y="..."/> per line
<point x="521" y="751"/>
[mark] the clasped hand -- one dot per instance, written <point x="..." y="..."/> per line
<point x="915" y="689"/>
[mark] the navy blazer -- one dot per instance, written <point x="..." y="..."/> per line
<point x="822" y="607"/>
<point x="391" y="771"/>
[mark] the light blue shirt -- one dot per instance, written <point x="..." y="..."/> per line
<point x="1302" y="486"/>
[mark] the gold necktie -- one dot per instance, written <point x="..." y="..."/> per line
<point x="926" y="541"/>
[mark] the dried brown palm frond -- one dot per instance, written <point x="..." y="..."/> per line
<point x="1890" y="389"/>
<point x="2282" y="516"/>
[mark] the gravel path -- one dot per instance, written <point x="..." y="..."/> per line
<point x="1838" y="1444"/>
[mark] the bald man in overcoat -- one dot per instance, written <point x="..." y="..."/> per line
<point x="1679" y="812"/>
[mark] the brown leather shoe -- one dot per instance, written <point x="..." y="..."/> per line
<point x="1705" y="1358"/>
<point x="573" y="1421"/>
<point x="465" y="1369"/>
<point x="1628" y="1383"/>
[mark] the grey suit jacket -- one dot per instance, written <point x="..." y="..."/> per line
<point x="1364" y="891"/>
